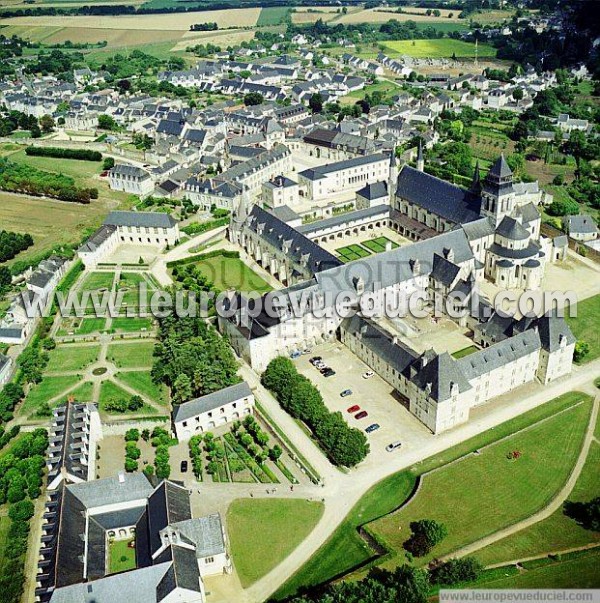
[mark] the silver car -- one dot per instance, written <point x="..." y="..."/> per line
<point x="393" y="446"/>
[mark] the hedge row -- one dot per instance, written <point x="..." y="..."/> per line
<point x="60" y="153"/>
<point x="198" y="228"/>
<point x="192" y="259"/>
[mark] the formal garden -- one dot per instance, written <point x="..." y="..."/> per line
<point x="357" y="251"/>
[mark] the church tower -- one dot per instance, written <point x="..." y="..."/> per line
<point x="497" y="193"/>
<point x="420" y="158"/>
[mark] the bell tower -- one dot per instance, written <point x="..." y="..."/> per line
<point x="497" y="193"/>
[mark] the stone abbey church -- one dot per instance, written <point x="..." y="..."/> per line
<point x="458" y="239"/>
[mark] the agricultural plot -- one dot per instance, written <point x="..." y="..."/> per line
<point x="374" y="15"/>
<point x="273" y="15"/>
<point x="313" y="14"/>
<point x="440" y="48"/>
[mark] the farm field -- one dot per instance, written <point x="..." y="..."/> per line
<point x="262" y="532"/>
<point x="224" y="38"/>
<point x="389" y="494"/>
<point x="273" y="15"/>
<point x="374" y="15"/>
<point x="439" y="48"/>
<point x="509" y="489"/>
<point x="314" y="13"/>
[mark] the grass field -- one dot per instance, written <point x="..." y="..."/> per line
<point x="379" y="244"/>
<point x="585" y="325"/>
<point x="142" y="382"/>
<point x="131" y="355"/>
<point x="232" y="273"/>
<point x="121" y="557"/>
<point x="98" y="280"/>
<point x="440" y="48"/>
<point x="353" y="252"/>
<point x="508" y="490"/>
<point x="264" y="532"/>
<point x="465" y="351"/>
<point x="273" y="15"/>
<point x="131" y="325"/>
<point x="83" y="393"/>
<point x="558" y="532"/>
<point x="386" y="496"/>
<point x="48" y="388"/>
<point x="72" y="357"/>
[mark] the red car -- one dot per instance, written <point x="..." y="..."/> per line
<point x="361" y="415"/>
<point x="354" y="408"/>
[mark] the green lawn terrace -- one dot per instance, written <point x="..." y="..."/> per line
<point x="121" y="555"/>
<point x="357" y="251"/>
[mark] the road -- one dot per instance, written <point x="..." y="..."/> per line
<point x="342" y="491"/>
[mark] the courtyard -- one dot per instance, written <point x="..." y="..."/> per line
<point x="368" y="243"/>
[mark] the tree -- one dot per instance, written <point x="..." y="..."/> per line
<point x="587" y="515"/>
<point x="130" y="464"/>
<point x="275" y="453"/>
<point x="253" y="98"/>
<point x="426" y="533"/>
<point x="108" y="163"/>
<point x="582" y="349"/>
<point x="563" y="207"/>
<point x="21" y="511"/>
<point x="135" y="403"/>
<point x="316" y="103"/>
<point x="106" y="122"/>
<point x="455" y="571"/>
<point x="182" y="389"/>
<point x="47" y="124"/>
<point x="132" y="435"/>
<point x="5" y="278"/>
<point x="518" y="94"/>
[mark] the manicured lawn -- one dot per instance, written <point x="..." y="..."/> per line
<point x="131" y="355"/>
<point x="131" y="325"/>
<point x="508" y="490"/>
<point x="264" y="532"/>
<point x="576" y="571"/>
<point x="121" y="556"/>
<point x="131" y="279"/>
<point x="585" y="325"/>
<point x="232" y="273"/>
<point x="91" y="325"/>
<point x="72" y="357"/>
<point x="83" y="393"/>
<point x="558" y="532"/>
<point x="390" y="493"/>
<point x="440" y="48"/>
<point x="142" y="382"/>
<point x="379" y="244"/>
<point x="49" y="388"/>
<point x="465" y="351"/>
<point x="98" y="280"/>
<point x="352" y="252"/>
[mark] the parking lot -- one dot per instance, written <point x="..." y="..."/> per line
<point x="373" y="395"/>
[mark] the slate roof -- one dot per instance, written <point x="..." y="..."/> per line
<point x="128" y="170"/>
<point x="438" y="376"/>
<point x="437" y="196"/>
<point x="111" y="490"/>
<point x="500" y="168"/>
<point x="377" y="190"/>
<point x="512" y="229"/>
<point x="206" y="533"/>
<point x="444" y="270"/>
<point x="141" y="219"/>
<point x="211" y="401"/>
<point x="329" y="168"/>
<point x="581" y="224"/>
<point x="4" y="362"/>
<point x="98" y="238"/>
<point x="345" y="218"/>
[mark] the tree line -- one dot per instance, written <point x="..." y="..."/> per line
<point x="16" y="178"/>
<point x="12" y="243"/>
<point x="345" y="446"/>
<point x="61" y="153"/>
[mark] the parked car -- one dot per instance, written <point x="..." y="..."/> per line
<point x="320" y="365"/>
<point x="328" y="373"/>
<point x="393" y="446"/>
<point x="184" y="466"/>
<point x="368" y="375"/>
<point x="373" y="427"/>
<point x="361" y="415"/>
<point x="315" y="359"/>
<point x="346" y="392"/>
<point x="354" y="408"/>
<point x="295" y="354"/>
<point x="306" y="351"/>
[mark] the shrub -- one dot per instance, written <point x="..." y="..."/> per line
<point x="426" y="533"/>
<point x="455" y="571"/>
<point x="61" y="153"/>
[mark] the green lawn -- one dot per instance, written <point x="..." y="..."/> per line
<point x="4" y="526"/>
<point x="465" y="351"/>
<point x="121" y="557"/>
<point x="91" y="325"/>
<point x="390" y="493"/>
<point x="131" y="325"/>
<point x="558" y="532"/>
<point x="98" y="280"/>
<point x="378" y="244"/>
<point x="232" y="273"/>
<point x="49" y="388"/>
<point x="142" y="382"/>
<point x="263" y="532"/>
<point x="440" y="48"/>
<point x="576" y="571"/>
<point x="69" y="357"/>
<point x="352" y="252"/>
<point x="585" y="325"/>
<point x="508" y="490"/>
<point x="84" y="393"/>
<point x="131" y="355"/>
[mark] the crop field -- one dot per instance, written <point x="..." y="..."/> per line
<point x="375" y="15"/>
<point x="440" y="48"/>
<point x="243" y="17"/>
<point x="314" y="13"/>
<point x="273" y="15"/>
<point x="224" y="38"/>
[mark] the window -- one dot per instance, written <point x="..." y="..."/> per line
<point x="209" y="560"/>
<point x="184" y="423"/>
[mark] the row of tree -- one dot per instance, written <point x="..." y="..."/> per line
<point x="345" y="446"/>
<point x="62" y="153"/>
<point x="11" y="244"/>
<point x="17" y="178"/>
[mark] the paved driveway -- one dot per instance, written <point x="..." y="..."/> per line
<point x="373" y="395"/>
